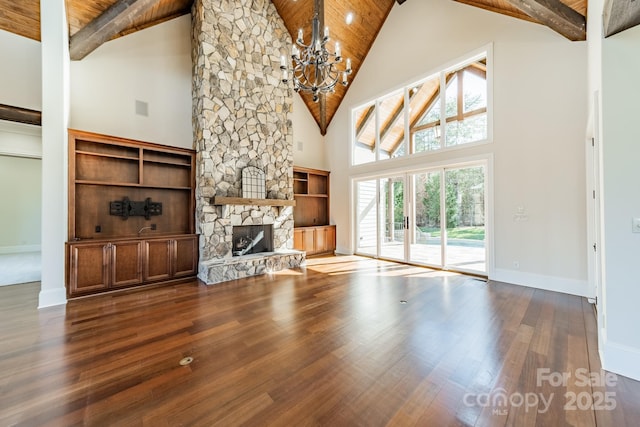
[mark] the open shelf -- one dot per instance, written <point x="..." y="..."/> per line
<point x="105" y="169"/>
<point x="166" y="158"/>
<point x="312" y="232"/>
<point x="131" y="213"/>
<point x="125" y="184"/>
<point x="311" y="189"/>
<point x="106" y="149"/>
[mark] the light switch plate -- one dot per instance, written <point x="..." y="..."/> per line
<point x="635" y="225"/>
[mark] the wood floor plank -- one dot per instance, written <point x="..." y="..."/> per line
<point x="346" y="341"/>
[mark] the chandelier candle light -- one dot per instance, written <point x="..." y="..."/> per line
<point x="315" y="69"/>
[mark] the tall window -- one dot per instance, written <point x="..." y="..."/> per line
<point x="417" y="119"/>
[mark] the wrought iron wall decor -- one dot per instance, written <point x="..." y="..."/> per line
<point x="253" y="183"/>
<point x="126" y="208"/>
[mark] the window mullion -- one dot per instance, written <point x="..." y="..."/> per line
<point x="443" y="109"/>
<point x="377" y="134"/>
<point x="408" y="142"/>
<point x="460" y="96"/>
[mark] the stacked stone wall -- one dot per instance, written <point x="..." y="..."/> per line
<point x="241" y="117"/>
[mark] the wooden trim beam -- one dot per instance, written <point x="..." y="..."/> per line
<point x="242" y="201"/>
<point x="20" y="115"/>
<point x="323" y="113"/>
<point x="506" y="12"/>
<point x="112" y="21"/>
<point x="555" y="15"/>
<point x="620" y="15"/>
<point x="365" y="121"/>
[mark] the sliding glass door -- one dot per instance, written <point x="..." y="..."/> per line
<point x="392" y="218"/>
<point x="434" y="218"/>
<point x="426" y="237"/>
<point x="367" y="217"/>
<point x="465" y="213"/>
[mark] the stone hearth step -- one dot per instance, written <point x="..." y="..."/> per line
<point x="231" y="268"/>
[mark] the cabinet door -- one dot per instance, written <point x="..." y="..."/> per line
<point x="304" y="239"/>
<point x="126" y="263"/>
<point x="320" y="239"/>
<point x="157" y="259"/>
<point x="298" y="239"/>
<point x="309" y="240"/>
<point x="88" y="267"/>
<point x="330" y="243"/>
<point x="185" y="256"/>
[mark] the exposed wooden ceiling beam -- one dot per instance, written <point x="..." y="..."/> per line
<point x="620" y="15"/>
<point x="365" y="120"/>
<point x="20" y="115"/>
<point x="555" y="15"/>
<point x="323" y="114"/>
<point x="514" y="13"/>
<point x="399" y="110"/>
<point x="112" y="21"/>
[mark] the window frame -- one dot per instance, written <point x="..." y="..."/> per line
<point x="456" y="66"/>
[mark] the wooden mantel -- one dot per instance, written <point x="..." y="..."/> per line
<point x="221" y="201"/>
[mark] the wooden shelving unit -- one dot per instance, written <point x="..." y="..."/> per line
<point x="107" y="251"/>
<point x="312" y="232"/>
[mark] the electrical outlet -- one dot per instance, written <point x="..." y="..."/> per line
<point x="516" y="265"/>
<point x="635" y="225"/>
<point x="153" y="226"/>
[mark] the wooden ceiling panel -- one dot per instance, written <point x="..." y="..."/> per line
<point x="499" y="6"/>
<point x="82" y="12"/>
<point x="21" y="17"/>
<point x="505" y="7"/>
<point x="355" y="39"/>
<point x="165" y="10"/>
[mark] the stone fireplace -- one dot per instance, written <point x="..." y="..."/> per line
<point x="241" y="118"/>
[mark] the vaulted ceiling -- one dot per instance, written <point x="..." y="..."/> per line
<point x="93" y="22"/>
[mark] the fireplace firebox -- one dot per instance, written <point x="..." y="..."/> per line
<point x="252" y="239"/>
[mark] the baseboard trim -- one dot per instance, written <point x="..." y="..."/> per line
<point x="52" y="297"/>
<point x="539" y="281"/>
<point x="621" y="359"/>
<point x="339" y="253"/>
<point x="4" y="250"/>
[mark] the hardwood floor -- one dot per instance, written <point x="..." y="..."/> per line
<point x="334" y="345"/>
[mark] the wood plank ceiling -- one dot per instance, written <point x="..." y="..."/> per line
<point x="103" y="20"/>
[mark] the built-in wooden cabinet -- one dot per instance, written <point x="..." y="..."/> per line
<point x="312" y="232"/>
<point x="100" y="266"/>
<point x="131" y="213"/>
<point x="315" y="240"/>
<point x="170" y="258"/>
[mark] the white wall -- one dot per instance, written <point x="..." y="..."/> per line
<point x="540" y="114"/>
<point x="20" y="82"/>
<point x="20" y="184"/>
<point x="20" y="145"/>
<point x="308" y="143"/>
<point x="621" y="200"/>
<point x="152" y="66"/>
